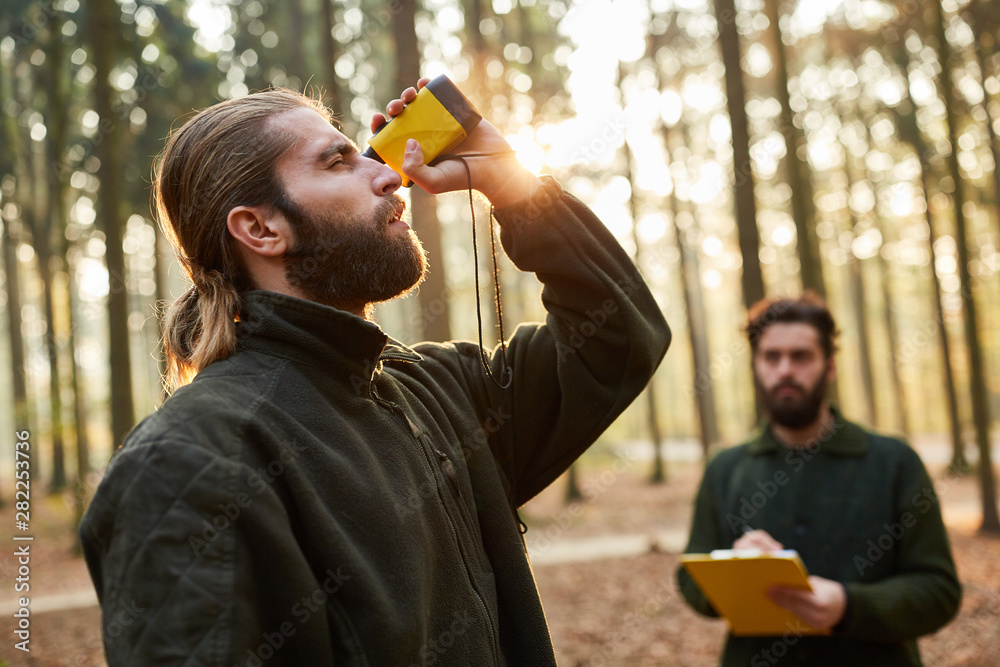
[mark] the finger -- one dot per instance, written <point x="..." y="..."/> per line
<point x="378" y="120"/>
<point x="409" y="95"/>
<point x="414" y="167"/>
<point x="394" y="108"/>
<point x="423" y="82"/>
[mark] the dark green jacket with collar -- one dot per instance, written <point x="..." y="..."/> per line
<point x="860" y="509"/>
<point x="327" y="495"/>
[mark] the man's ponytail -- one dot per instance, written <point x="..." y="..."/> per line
<point x="199" y="327"/>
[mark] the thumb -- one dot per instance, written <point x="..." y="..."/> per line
<point x="413" y="161"/>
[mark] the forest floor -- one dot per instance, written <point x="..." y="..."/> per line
<point x="604" y="567"/>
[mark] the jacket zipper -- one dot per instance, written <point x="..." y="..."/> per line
<point x="415" y="430"/>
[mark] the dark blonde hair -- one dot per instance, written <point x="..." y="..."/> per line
<point x="222" y="158"/>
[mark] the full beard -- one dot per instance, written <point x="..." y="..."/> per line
<point x="794" y="412"/>
<point x="352" y="264"/>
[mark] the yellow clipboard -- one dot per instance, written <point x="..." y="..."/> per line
<point x="736" y="583"/>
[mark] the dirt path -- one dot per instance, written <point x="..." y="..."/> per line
<point x="604" y="568"/>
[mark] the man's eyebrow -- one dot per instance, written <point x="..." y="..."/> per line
<point x="343" y="148"/>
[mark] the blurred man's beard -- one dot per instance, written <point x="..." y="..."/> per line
<point x="350" y="264"/>
<point x="794" y="411"/>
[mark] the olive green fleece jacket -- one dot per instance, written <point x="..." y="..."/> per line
<point x="860" y="509"/>
<point x="327" y="495"/>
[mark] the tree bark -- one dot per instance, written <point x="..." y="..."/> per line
<point x="56" y="124"/>
<point x="985" y="40"/>
<point x="659" y="474"/>
<point x="856" y="281"/>
<point x="743" y="194"/>
<point x="333" y="95"/>
<point x="104" y="31"/>
<point x="745" y="205"/>
<point x="433" y="296"/>
<point x="909" y="131"/>
<point x="702" y="383"/>
<point x="799" y="173"/>
<point x="979" y="390"/>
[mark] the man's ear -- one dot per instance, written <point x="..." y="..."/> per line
<point x="261" y="230"/>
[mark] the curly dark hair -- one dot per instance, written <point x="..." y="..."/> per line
<point x="809" y="308"/>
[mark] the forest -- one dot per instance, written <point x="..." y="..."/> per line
<point x="737" y="150"/>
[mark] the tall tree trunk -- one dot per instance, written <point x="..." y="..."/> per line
<point x="857" y="284"/>
<point x="979" y="390"/>
<point x="653" y="419"/>
<point x="694" y="306"/>
<point x="56" y="124"/>
<point x="985" y="40"/>
<point x="803" y="208"/>
<point x="11" y="229"/>
<point x="333" y="93"/>
<point x="891" y="328"/>
<point x="296" y="55"/>
<point x="743" y="194"/>
<point x="12" y="155"/>
<point x="910" y="132"/>
<point x="433" y="294"/>
<point x="104" y="31"/>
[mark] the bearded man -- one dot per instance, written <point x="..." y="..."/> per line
<point x="858" y="507"/>
<point x="315" y="492"/>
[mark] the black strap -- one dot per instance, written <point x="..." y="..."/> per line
<point x="506" y="374"/>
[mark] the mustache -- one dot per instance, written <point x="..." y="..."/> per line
<point x="391" y="207"/>
<point x="788" y="384"/>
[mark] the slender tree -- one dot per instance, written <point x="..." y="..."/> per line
<point x="56" y="139"/>
<point x="652" y="413"/>
<point x="857" y="289"/>
<point x="984" y="42"/>
<point x="743" y="194"/>
<point x="797" y="168"/>
<point x="334" y="97"/>
<point x="978" y="388"/>
<point x="104" y="32"/>
<point x="433" y="292"/>
<point x="888" y="310"/>
<point x="14" y="183"/>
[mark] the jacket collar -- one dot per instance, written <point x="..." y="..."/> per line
<point x="843" y="440"/>
<point x="319" y="335"/>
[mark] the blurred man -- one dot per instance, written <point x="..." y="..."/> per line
<point x="319" y="493"/>
<point x="858" y="507"/>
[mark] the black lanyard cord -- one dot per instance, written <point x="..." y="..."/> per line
<point x="506" y="374"/>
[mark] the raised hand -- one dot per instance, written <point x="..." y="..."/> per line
<point x="499" y="174"/>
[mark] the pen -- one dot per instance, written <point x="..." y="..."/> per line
<point x="747" y="529"/>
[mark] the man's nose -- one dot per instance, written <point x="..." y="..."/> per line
<point x="785" y="366"/>
<point x="385" y="181"/>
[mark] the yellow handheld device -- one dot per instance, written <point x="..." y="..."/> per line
<point x="440" y="118"/>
